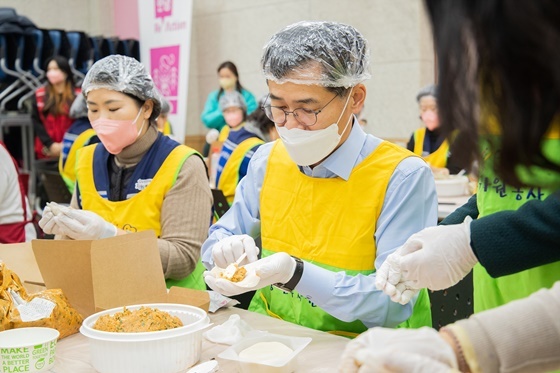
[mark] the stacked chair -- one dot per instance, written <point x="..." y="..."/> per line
<point x="24" y="50"/>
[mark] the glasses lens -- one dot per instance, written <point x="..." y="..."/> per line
<point x="305" y="116"/>
<point x="275" y="114"/>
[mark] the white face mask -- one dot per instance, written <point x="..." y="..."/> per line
<point x="310" y="147"/>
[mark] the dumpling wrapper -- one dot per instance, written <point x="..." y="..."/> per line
<point x="265" y="352"/>
<point x="251" y="278"/>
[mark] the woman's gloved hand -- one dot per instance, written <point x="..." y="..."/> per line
<point x="398" y="350"/>
<point x="276" y="268"/>
<point x="435" y="258"/>
<point x="231" y="248"/>
<point x="76" y="224"/>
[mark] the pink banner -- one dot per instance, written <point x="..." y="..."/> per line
<point x="164" y="63"/>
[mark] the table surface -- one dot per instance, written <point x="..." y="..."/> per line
<point x="321" y="355"/>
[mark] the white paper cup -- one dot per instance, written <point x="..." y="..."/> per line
<point x="27" y="349"/>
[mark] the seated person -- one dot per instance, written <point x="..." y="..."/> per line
<point x="428" y="142"/>
<point x="136" y="179"/>
<point x="163" y="124"/>
<point x="328" y="201"/>
<point x="260" y="124"/>
<point x="15" y="214"/>
<point x="239" y="146"/>
<point x="79" y="134"/>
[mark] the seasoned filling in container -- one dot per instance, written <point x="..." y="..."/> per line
<point x="144" y="319"/>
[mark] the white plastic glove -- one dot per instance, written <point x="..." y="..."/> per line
<point x="48" y="223"/>
<point x="84" y="225"/>
<point x="400" y="363"/>
<point x="279" y="267"/>
<point x="229" y="249"/>
<point x="398" y="350"/>
<point x="435" y="258"/>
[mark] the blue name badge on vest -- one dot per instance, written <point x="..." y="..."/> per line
<point x="142" y="184"/>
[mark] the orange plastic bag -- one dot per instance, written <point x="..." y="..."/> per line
<point x="48" y="308"/>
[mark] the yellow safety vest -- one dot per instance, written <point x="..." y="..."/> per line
<point x="435" y="159"/>
<point x="143" y="210"/>
<point x="493" y="196"/>
<point x="329" y="222"/>
<point x="229" y="177"/>
<point x="68" y="170"/>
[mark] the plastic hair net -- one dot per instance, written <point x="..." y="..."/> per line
<point x="123" y="74"/>
<point x="429" y="90"/>
<point x="232" y="99"/>
<point x="323" y="53"/>
<point x="79" y="108"/>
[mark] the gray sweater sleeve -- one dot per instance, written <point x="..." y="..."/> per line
<point x="521" y="336"/>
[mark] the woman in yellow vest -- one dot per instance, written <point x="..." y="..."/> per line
<point x="329" y="202"/>
<point x="429" y="141"/>
<point x="504" y="98"/>
<point x="136" y="178"/>
<point x="238" y="147"/>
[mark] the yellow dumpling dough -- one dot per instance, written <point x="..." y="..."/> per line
<point x="263" y="352"/>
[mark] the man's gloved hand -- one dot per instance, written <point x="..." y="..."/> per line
<point x="229" y="249"/>
<point x="398" y="350"/>
<point x="84" y="225"/>
<point x="276" y="268"/>
<point x="435" y="258"/>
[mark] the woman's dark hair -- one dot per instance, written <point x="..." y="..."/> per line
<point x="231" y="67"/>
<point x="56" y="103"/>
<point x="499" y="58"/>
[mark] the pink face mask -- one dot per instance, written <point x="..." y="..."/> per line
<point x="55" y="76"/>
<point x="234" y="118"/>
<point x="117" y="134"/>
<point x="430" y="119"/>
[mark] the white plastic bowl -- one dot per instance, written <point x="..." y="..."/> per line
<point x="28" y="349"/>
<point x="166" y="351"/>
<point x="453" y="186"/>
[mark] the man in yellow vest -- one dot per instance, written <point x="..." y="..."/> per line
<point x="328" y="201"/>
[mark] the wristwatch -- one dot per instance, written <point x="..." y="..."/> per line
<point x="291" y="284"/>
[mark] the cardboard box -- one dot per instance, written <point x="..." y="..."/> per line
<point x="113" y="272"/>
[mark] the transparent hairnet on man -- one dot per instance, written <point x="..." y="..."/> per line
<point x="123" y="74"/>
<point x="323" y="53"/>
<point x="232" y="99"/>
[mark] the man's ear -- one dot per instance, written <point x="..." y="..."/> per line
<point x="358" y="98"/>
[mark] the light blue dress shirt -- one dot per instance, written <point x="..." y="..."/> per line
<point x="410" y="205"/>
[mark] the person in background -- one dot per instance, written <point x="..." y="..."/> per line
<point x="79" y="134"/>
<point x="329" y="202"/>
<point x="509" y="230"/>
<point x="50" y="113"/>
<point x="239" y="146"/>
<point x="229" y="81"/>
<point x="260" y="124"/>
<point x="136" y="179"/>
<point x="15" y="214"/>
<point x="163" y="124"/>
<point x="429" y="141"/>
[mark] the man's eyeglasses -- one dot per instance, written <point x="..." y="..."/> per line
<point x="305" y="117"/>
